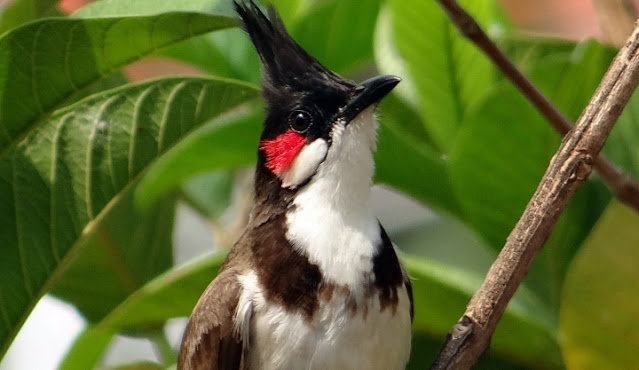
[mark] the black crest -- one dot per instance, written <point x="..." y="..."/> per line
<point x="286" y="65"/>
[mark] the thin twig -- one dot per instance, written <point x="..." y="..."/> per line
<point x="622" y="184"/>
<point x="568" y="169"/>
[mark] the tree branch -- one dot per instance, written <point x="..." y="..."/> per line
<point x="622" y="184"/>
<point x="568" y="169"/>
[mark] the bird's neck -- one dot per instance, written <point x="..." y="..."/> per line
<point x="329" y="219"/>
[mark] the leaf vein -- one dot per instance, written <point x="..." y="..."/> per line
<point x="34" y="68"/>
<point x="165" y="114"/>
<point x="67" y="53"/>
<point x="97" y="122"/>
<point x="52" y="192"/>
<point x="134" y="127"/>
<point x="20" y="249"/>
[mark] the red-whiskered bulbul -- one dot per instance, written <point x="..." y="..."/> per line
<point x="314" y="281"/>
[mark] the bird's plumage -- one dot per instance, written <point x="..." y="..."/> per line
<point x="211" y="341"/>
<point x="314" y="281"/>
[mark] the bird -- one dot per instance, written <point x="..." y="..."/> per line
<point x="314" y="281"/>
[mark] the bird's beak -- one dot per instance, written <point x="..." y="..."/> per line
<point x="367" y="93"/>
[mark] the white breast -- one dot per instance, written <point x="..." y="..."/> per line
<point x="331" y="221"/>
<point x="335" y="339"/>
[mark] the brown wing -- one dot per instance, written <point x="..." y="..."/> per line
<point x="209" y="342"/>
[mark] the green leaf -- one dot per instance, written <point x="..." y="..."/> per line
<point x="289" y="9"/>
<point x="500" y="156"/>
<point x="569" y="80"/>
<point x="414" y="170"/>
<point x="58" y="183"/>
<point x="548" y="271"/>
<point x="235" y="55"/>
<point x="396" y="112"/>
<point x="621" y="145"/>
<point x="230" y="54"/>
<point x="529" y="53"/>
<point x="44" y="63"/>
<point x="88" y="348"/>
<point x="209" y="193"/>
<point x="448" y="72"/>
<point x="227" y="54"/>
<point x="173" y="294"/>
<point x="389" y="60"/>
<point x="208" y="149"/>
<point x="140" y="366"/>
<point x="599" y="317"/>
<point x="123" y="252"/>
<point x="426" y="347"/>
<point x="525" y="333"/>
<point x="338" y="33"/>
<point x="124" y="8"/>
<point x="17" y="12"/>
<point x="494" y="183"/>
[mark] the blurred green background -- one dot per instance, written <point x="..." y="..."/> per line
<point x="128" y="131"/>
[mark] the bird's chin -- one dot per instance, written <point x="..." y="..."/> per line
<point x="364" y="127"/>
<point x="305" y="164"/>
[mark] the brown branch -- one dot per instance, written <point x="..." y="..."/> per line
<point x="622" y="184"/>
<point x="568" y="169"/>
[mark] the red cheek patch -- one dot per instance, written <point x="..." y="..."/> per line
<point x="282" y="150"/>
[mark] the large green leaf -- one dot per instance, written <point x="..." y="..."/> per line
<point x="501" y="153"/>
<point x="426" y="347"/>
<point x="405" y="159"/>
<point x="449" y="74"/>
<point x="56" y="185"/>
<point x="599" y="317"/>
<point x="500" y="156"/>
<point x="209" y="193"/>
<point x="124" y="8"/>
<point x="227" y="54"/>
<point x="122" y="252"/>
<point x="493" y="182"/>
<point x="44" y="63"/>
<point x="17" y="12"/>
<point x="235" y="56"/>
<point x="570" y="79"/>
<point x="232" y="52"/>
<point x="621" y="145"/>
<point x="140" y="366"/>
<point x="338" y="33"/>
<point x="208" y="149"/>
<point x="173" y="294"/>
<point x="525" y="333"/>
<point x="413" y="169"/>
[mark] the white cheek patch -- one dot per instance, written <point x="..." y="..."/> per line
<point x="305" y="164"/>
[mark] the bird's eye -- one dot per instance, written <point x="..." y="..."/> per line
<point x="300" y="121"/>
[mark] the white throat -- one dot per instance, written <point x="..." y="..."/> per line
<point x="332" y="222"/>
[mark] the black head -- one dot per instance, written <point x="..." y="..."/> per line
<point x="291" y="79"/>
<point x="304" y="99"/>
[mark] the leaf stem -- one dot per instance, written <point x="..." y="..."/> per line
<point x="163" y="347"/>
